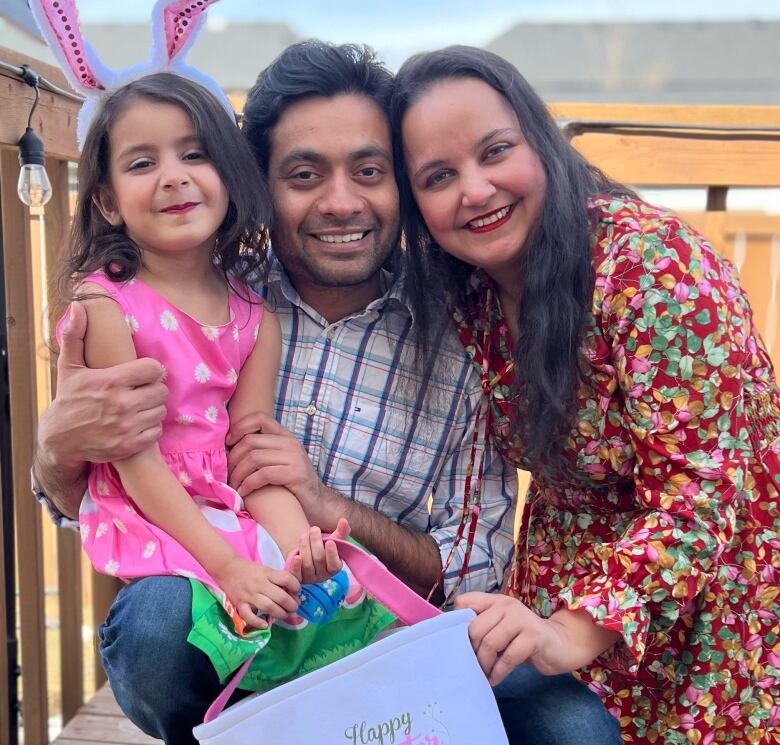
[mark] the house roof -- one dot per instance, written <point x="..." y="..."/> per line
<point x="693" y="62"/>
<point x="233" y="54"/>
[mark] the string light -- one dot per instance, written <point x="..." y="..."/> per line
<point x="34" y="187"/>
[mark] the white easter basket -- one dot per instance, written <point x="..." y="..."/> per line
<point x="419" y="686"/>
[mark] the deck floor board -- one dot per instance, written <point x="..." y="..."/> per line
<point x="101" y="720"/>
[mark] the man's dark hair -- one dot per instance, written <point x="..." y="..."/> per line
<point x="307" y="69"/>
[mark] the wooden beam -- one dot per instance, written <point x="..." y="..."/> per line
<point x="716" y="198"/>
<point x="104" y="590"/>
<point x="654" y="160"/>
<point x="69" y="583"/>
<point x="55" y="118"/>
<point x="21" y="361"/>
<point x="738" y="116"/>
<point x="5" y="719"/>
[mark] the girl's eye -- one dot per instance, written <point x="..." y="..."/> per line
<point x="195" y="155"/>
<point x="140" y="164"/>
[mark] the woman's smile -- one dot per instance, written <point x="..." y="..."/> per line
<point x="478" y="183"/>
<point x="491" y="220"/>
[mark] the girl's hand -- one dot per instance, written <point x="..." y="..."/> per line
<point x="257" y="590"/>
<point x="320" y="559"/>
<point x="506" y="634"/>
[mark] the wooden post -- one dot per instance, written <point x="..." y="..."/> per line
<point x="5" y="719"/>
<point x="69" y="582"/>
<point x="24" y="415"/>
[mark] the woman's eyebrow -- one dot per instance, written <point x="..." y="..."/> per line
<point x="482" y="141"/>
<point x="478" y="145"/>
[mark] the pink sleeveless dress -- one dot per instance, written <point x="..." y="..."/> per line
<point x="202" y="364"/>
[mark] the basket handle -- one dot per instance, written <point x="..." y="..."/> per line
<point x="378" y="580"/>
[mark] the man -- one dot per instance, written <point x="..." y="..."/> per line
<point x="364" y="435"/>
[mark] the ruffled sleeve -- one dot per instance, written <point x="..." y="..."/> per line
<point x="677" y="326"/>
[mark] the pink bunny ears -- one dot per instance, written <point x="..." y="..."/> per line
<point x="175" y="25"/>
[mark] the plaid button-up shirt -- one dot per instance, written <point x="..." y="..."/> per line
<point x="349" y="393"/>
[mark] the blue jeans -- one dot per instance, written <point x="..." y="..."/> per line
<point x="553" y="710"/>
<point x="164" y="684"/>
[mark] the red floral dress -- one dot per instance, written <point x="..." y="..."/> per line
<point x="666" y="528"/>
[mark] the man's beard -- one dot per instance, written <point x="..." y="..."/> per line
<point x="324" y="270"/>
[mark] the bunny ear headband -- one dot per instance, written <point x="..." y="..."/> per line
<point x="175" y="25"/>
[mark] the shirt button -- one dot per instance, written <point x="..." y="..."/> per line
<point x="311" y="409"/>
<point x="331" y="334"/>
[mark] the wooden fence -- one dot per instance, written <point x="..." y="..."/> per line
<point x="727" y="147"/>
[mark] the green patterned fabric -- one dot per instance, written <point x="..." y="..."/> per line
<point x="285" y="653"/>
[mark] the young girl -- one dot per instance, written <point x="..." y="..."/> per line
<point x="167" y="232"/>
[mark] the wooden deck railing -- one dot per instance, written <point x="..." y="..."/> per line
<point x="713" y="159"/>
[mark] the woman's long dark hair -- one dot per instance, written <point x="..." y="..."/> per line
<point x="241" y="245"/>
<point x="555" y="265"/>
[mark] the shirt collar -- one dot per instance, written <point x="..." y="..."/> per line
<point x="279" y="288"/>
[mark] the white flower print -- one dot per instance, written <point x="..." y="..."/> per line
<point x="132" y="323"/>
<point x="211" y="414"/>
<point x="168" y="321"/>
<point x="102" y="529"/>
<point x="84" y="530"/>
<point x="202" y="372"/>
<point x="184" y="478"/>
<point x="209" y="476"/>
<point x="149" y="549"/>
<point x="102" y="488"/>
<point x="111" y="567"/>
<point x="129" y="508"/>
<point x="120" y="526"/>
<point x="185" y="419"/>
<point x="210" y="332"/>
<point x="232" y="376"/>
<point x="235" y="333"/>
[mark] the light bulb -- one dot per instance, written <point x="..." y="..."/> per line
<point x="34" y="187"/>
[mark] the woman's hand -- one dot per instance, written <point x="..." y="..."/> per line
<point x="257" y="590"/>
<point x="506" y="634"/>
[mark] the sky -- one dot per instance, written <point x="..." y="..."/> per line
<point x="396" y="28"/>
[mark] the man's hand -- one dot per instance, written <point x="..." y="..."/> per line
<point x="506" y="634"/>
<point x="266" y="453"/>
<point x="100" y="415"/>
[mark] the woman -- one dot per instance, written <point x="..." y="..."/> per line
<point x="623" y="370"/>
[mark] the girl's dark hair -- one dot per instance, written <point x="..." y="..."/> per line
<point x="555" y="265"/>
<point x="241" y="246"/>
